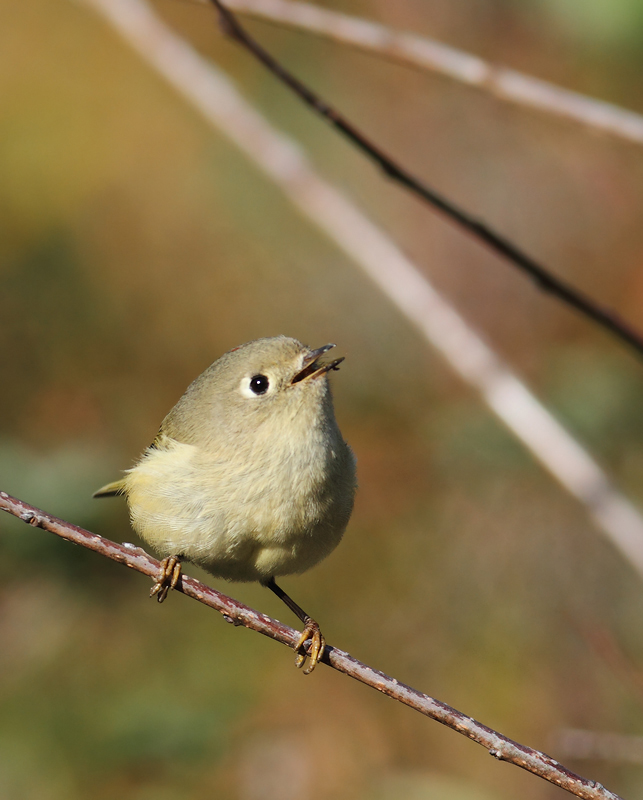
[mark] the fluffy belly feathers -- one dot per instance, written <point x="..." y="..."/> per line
<point x="245" y="525"/>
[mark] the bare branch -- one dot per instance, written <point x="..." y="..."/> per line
<point x="499" y="746"/>
<point x="543" y="277"/>
<point x="216" y="98"/>
<point x="428" y="54"/>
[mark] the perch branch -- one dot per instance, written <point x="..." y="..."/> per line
<point x="499" y="746"/>
<point x="213" y="95"/>
<point x="547" y="281"/>
<point x="422" y="52"/>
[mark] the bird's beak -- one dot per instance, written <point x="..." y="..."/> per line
<point x="310" y="366"/>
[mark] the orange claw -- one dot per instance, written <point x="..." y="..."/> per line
<point x="317" y="645"/>
<point x="169" y="576"/>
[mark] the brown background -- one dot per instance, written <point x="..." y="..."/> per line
<point x="136" y="246"/>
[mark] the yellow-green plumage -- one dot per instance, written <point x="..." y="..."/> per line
<point x="111" y="489"/>
<point x="247" y="486"/>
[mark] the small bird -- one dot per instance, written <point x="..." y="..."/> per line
<point x="249" y="476"/>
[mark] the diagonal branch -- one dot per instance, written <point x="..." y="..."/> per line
<point x="210" y="92"/>
<point x="547" y="281"/>
<point x="499" y="746"/>
<point x="422" y="52"/>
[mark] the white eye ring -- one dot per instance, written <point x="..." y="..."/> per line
<point x="255" y="386"/>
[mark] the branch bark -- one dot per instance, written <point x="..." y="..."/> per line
<point x="430" y="55"/>
<point x="498" y="746"/>
<point x="205" y="88"/>
<point x="543" y="277"/>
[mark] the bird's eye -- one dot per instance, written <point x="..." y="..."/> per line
<point x="259" y="384"/>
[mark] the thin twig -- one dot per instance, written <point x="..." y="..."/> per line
<point x="604" y="316"/>
<point x="499" y="746"/>
<point x="431" y="55"/>
<point x="215" y="97"/>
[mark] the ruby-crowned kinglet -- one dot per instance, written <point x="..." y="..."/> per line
<point x="249" y="476"/>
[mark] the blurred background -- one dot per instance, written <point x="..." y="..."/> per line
<point x="137" y="245"/>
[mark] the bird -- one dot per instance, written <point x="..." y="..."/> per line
<point x="249" y="476"/>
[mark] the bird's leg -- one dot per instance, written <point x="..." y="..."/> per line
<point x="169" y="576"/>
<point x="311" y="631"/>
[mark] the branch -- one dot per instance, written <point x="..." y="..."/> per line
<point x="604" y="316"/>
<point x="434" y="56"/>
<point x="499" y="746"/>
<point x="213" y="95"/>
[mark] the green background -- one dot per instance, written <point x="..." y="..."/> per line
<point x="137" y="245"/>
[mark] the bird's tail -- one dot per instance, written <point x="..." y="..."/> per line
<point x="111" y="489"/>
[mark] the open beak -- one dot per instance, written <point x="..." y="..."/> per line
<point x="311" y="368"/>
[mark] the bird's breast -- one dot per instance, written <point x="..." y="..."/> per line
<point x="260" y="506"/>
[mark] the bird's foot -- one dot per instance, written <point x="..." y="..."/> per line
<point x="169" y="577"/>
<point x="316" y="650"/>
